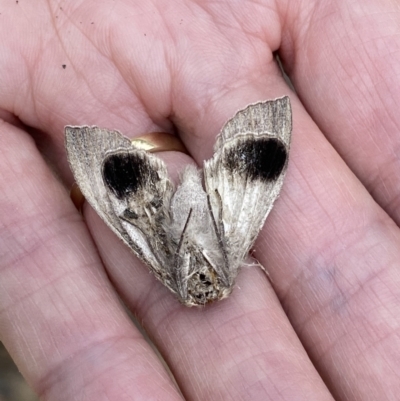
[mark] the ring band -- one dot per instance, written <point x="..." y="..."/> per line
<point x="77" y="197"/>
<point x="159" y="142"/>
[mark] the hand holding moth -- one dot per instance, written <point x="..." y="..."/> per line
<point x="193" y="241"/>
<point x="326" y="323"/>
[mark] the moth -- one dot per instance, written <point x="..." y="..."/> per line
<point x="193" y="239"/>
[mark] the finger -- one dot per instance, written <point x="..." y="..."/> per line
<point x="333" y="255"/>
<point x="344" y="67"/>
<point x="60" y="318"/>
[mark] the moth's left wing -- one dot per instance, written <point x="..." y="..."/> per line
<point x="98" y="160"/>
<point x="245" y="175"/>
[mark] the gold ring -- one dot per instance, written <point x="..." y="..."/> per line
<point x="159" y="142"/>
<point x="77" y="197"/>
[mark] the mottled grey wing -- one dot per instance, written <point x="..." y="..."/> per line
<point x="88" y="150"/>
<point x="245" y="175"/>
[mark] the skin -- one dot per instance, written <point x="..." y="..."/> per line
<point x="326" y="325"/>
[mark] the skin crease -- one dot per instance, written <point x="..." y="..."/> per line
<point x="326" y="326"/>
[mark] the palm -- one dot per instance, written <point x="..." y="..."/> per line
<point x="331" y="245"/>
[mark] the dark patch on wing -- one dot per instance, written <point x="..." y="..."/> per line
<point x="125" y="173"/>
<point x="262" y="158"/>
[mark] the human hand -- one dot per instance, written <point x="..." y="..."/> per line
<point x="328" y="325"/>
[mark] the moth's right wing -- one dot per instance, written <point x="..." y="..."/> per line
<point x="246" y="173"/>
<point x="113" y="176"/>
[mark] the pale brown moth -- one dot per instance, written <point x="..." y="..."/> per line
<point x="193" y="240"/>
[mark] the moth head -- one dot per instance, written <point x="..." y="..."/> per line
<point x="204" y="286"/>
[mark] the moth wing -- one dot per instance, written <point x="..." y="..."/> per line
<point x="246" y="173"/>
<point x="87" y="149"/>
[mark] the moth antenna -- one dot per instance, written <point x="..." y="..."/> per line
<point x="183" y="232"/>
<point x="220" y="237"/>
<point x="178" y="274"/>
